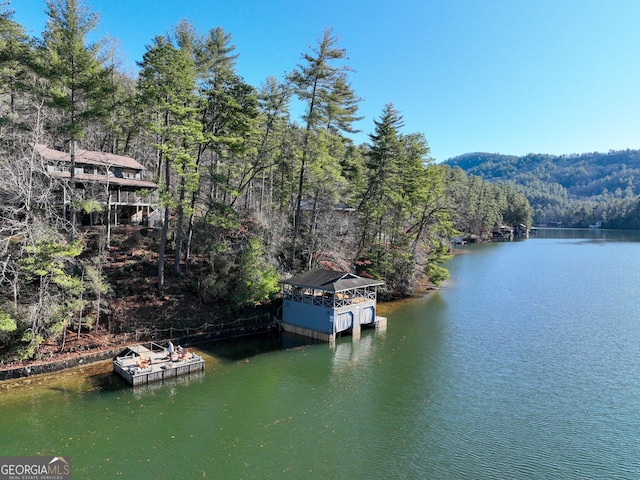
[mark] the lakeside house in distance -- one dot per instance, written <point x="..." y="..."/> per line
<point x="323" y="303"/>
<point x="115" y="181"/>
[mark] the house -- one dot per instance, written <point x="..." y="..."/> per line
<point x="340" y="214"/>
<point x="115" y="181"/>
<point x="323" y="303"/>
<point x="310" y="205"/>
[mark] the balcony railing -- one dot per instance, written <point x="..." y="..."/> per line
<point x="321" y="298"/>
<point x="130" y="198"/>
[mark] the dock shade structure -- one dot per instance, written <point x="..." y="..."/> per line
<point x="322" y="303"/>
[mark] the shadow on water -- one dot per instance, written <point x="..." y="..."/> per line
<point x="91" y="378"/>
<point x="99" y="376"/>
<point x="247" y="347"/>
<point x="107" y="382"/>
<point x="104" y="382"/>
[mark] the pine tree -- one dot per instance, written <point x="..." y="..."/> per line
<point x="79" y="87"/>
<point x="168" y="89"/>
<point x="55" y="289"/>
<point x="14" y="58"/>
<point x="405" y="222"/>
<point x="330" y="103"/>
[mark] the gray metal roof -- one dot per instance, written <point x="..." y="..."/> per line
<point x="309" y="204"/>
<point x="330" y="280"/>
<point x="89" y="158"/>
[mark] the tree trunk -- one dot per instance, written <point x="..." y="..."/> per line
<point x="179" y="231"/>
<point x="163" y="246"/>
<point x="72" y="183"/>
<point x="165" y="225"/>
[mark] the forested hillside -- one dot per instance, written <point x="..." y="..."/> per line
<point x="247" y="192"/>
<point x="576" y="190"/>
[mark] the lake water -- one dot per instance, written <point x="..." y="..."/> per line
<point x="526" y="366"/>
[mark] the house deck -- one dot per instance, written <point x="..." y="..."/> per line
<point x="142" y="364"/>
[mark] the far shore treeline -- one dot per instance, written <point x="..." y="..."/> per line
<point x="575" y="190"/>
<point x="248" y="191"/>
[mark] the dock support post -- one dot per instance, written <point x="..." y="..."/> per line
<point x="355" y="329"/>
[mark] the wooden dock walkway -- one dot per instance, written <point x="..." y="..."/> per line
<point x="142" y="364"/>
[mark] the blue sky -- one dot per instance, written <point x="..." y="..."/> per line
<point x="500" y="76"/>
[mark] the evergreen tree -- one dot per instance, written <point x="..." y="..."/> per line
<point x="168" y="89"/>
<point x="79" y="87"/>
<point x="275" y="143"/>
<point x="382" y="166"/>
<point x="15" y="51"/>
<point x="383" y="246"/>
<point x="228" y="157"/>
<point x="54" y="288"/>
<point x="405" y="223"/>
<point x="257" y="281"/>
<point x="123" y="121"/>
<point x="330" y="103"/>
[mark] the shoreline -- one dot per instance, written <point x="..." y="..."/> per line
<point x="68" y="361"/>
<point x="43" y="367"/>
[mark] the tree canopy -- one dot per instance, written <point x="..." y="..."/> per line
<point x="247" y="192"/>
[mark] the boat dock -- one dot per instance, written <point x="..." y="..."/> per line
<point x="146" y="363"/>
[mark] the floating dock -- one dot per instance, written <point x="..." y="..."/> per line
<point x="142" y="364"/>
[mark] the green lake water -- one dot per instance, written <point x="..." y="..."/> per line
<point x="525" y="366"/>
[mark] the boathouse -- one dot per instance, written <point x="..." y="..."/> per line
<point x="323" y="303"/>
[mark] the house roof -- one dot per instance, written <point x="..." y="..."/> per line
<point x="330" y="280"/>
<point x="310" y="204"/>
<point x="89" y="158"/>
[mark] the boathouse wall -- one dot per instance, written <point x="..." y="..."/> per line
<point x="326" y="319"/>
<point x="322" y="303"/>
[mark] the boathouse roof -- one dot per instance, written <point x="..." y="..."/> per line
<point x="330" y="280"/>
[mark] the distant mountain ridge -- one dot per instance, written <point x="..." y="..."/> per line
<point x="577" y="189"/>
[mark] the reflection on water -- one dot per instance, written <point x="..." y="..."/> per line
<point x="589" y="234"/>
<point x="99" y="376"/>
<point x="169" y="385"/>
<point x="350" y="354"/>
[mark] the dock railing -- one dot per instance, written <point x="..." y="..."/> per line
<point x="151" y="333"/>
